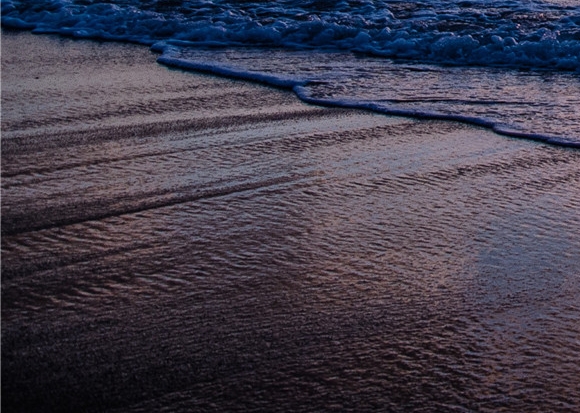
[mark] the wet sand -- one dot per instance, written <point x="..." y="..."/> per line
<point x="179" y="242"/>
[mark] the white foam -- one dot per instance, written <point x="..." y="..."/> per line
<point x="512" y="33"/>
<point x="302" y="88"/>
<point x="520" y="34"/>
<point x="270" y="80"/>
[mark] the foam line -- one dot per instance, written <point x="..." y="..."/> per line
<point x="299" y="87"/>
<point x="438" y="31"/>
<point x="270" y="80"/>
<point x="530" y="35"/>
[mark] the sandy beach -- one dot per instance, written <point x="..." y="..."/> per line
<point x="175" y="242"/>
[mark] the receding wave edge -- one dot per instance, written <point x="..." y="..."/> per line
<point x="299" y="87"/>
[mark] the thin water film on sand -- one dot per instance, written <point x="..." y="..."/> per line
<point x="178" y="242"/>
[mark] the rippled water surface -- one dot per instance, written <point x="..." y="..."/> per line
<point x="512" y="65"/>
<point x="531" y="103"/>
<point x="176" y="242"/>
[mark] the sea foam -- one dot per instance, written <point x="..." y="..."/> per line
<point x="516" y="36"/>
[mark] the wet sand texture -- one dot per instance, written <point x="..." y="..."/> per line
<point x="178" y="242"/>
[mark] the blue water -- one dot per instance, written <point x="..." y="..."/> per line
<point x="509" y="65"/>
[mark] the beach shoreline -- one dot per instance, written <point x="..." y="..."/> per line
<point x="185" y="242"/>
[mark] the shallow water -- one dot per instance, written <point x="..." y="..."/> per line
<point x="182" y="243"/>
<point x="512" y="65"/>
<point x="536" y="103"/>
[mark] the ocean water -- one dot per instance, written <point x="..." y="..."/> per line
<point x="509" y="65"/>
<point x="186" y="243"/>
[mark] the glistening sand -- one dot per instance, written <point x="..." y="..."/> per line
<point x="177" y="242"/>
